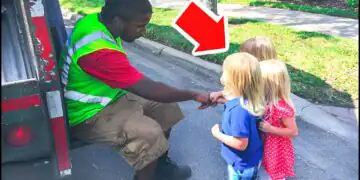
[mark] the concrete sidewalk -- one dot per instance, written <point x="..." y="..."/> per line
<point x="343" y="27"/>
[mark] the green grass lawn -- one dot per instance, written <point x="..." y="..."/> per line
<point x="324" y="69"/>
<point x="283" y="5"/>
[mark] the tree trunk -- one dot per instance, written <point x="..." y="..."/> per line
<point x="211" y="5"/>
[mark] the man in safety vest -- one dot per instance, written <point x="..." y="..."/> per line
<point x="111" y="102"/>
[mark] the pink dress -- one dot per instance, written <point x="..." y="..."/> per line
<point x="278" y="159"/>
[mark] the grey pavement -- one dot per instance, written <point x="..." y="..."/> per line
<point x="343" y="27"/>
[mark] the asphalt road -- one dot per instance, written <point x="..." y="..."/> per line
<point x="319" y="155"/>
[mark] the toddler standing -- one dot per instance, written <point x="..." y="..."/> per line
<point x="279" y="125"/>
<point x="241" y="146"/>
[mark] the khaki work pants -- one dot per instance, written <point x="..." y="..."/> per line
<point x="133" y="126"/>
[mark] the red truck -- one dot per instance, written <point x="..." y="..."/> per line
<point x="35" y="135"/>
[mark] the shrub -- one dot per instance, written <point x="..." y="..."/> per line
<point x="353" y="3"/>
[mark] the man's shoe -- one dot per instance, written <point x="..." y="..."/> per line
<point x="169" y="170"/>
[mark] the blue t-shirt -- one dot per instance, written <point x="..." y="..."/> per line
<point x="238" y="122"/>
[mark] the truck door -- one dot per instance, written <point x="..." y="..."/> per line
<point x="32" y="121"/>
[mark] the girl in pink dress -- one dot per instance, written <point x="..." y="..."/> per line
<point x="279" y="126"/>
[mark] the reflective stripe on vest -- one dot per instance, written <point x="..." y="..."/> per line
<point x="74" y="95"/>
<point x="85" y="98"/>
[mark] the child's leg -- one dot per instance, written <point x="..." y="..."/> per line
<point x="248" y="174"/>
<point x="232" y="174"/>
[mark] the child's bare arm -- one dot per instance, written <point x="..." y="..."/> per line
<point x="290" y="129"/>
<point x="234" y="142"/>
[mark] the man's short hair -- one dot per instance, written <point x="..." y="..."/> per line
<point x="125" y="9"/>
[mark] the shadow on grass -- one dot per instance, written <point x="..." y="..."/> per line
<point x="307" y="35"/>
<point x="304" y="84"/>
<point x="305" y="8"/>
<point x="237" y="21"/>
<point x="167" y="9"/>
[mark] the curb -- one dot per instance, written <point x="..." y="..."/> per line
<point x="305" y="110"/>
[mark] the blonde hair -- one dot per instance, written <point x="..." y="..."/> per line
<point x="276" y="82"/>
<point x="260" y="47"/>
<point x="242" y="77"/>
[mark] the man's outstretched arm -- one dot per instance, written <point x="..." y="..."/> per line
<point x="114" y="69"/>
<point x="157" y="91"/>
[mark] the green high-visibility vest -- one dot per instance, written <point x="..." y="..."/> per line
<point x="85" y="96"/>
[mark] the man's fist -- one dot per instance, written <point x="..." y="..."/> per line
<point x="204" y="99"/>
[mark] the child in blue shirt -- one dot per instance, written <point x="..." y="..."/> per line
<point x="241" y="147"/>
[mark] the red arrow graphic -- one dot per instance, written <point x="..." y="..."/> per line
<point x="203" y="28"/>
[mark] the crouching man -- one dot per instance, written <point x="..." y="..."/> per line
<point x="109" y="101"/>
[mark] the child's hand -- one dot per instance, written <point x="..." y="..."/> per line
<point x="265" y="126"/>
<point x="217" y="97"/>
<point x="215" y="130"/>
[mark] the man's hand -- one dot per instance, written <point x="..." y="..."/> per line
<point x="204" y="99"/>
<point x="217" y="97"/>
